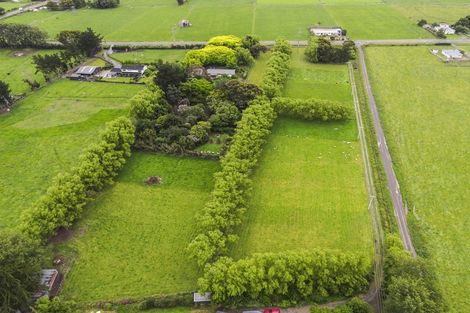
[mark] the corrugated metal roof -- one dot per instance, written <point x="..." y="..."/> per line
<point x="86" y="70"/>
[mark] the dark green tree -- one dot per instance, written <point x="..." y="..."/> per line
<point x="170" y="74"/>
<point x="21" y="36"/>
<point x="422" y="22"/>
<point x="20" y="266"/>
<point x="253" y="44"/>
<point x="239" y="92"/>
<point x="89" y="42"/>
<point x="5" y="95"/>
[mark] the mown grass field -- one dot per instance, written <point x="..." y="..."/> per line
<point x="309" y="189"/>
<point x="16" y="68"/>
<point x="135" y="235"/>
<point x="10" y="5"/>
<point x="146" y="20"/>
<point x="149" y="55"/>
<point x="45" y="133"/>
<point x="323" y="81"/>
<point x="425" y="111"/>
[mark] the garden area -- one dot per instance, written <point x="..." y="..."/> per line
<point x="45" y="133"/>
<point x="428" y="134"/>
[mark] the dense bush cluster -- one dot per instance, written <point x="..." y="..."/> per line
<point x="409" y="283"/>
<point x="21" y="36"/>
<point x="277" y="69"/>
<point x="64" y="200"/>
<point x="6" y="99"/>
<point x="312" y="109"/>
<point x="226" y="206"/>
<point x="355" y="305"/>
<point x="104" y="4"/>
<point x="462" y="26"/>
<point x="289" y="277"/>
<point x="181" y="113"/>
<point x="20" y="266"/>
<point x="65" y="5"/>
<point x="320" y="50"/>
<point x="226" y="51"/>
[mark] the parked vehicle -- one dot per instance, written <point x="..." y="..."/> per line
<point x="272" y="310"/>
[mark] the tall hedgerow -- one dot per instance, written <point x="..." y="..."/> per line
<point x="312" y="109"/>
<point x="277" y="69"/>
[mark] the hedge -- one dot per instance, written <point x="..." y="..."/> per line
<point x="289" y="277"/>
<point x="277" y="69"/>
<point x="230" y="41"/>
<point x="63" y="202"/>
<point x="312" y="109"/>
<point x="226" y="206"/>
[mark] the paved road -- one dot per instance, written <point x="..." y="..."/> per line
<point x="25" y="9"/>
<point x="302" y="43"/>
<point x="392" y="181"/>
<point x="106" y="53"/>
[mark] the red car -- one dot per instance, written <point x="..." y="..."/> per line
<point x="272" y="310"/>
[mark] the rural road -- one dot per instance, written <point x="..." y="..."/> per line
<point x="392" y="181"/>
<point x="25" y="9"/>
<point x="384" y="42"/>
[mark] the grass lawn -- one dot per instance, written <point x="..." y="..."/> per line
<point x="149" y="55"/>
<point x="426" y="116"/>
<point x="308" y="192"/>
<point x="256" y="73"/>
<point x="309" y="188"/>
<point x="16" y="68"/>
<point x="324" y="81"/>
<point x="136" y="235"/>
<point x="145" y="20"/>
<point x="45" y="133"/>
<point x="10" y="5"/>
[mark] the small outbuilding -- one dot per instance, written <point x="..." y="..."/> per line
<point x="444" y="27"/>
<point x="184" y="23"/>
<point x="200" y="298"/>
<point x="452" y="54"/>
<point x="49" y="283"/>
<point x="87" y="70"/>
<point x="218" y="72"/>
<point x="326" y="31"/>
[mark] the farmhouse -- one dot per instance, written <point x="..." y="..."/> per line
<point x="452" y="54"/>
<point x="444" y="27"/>
<point x="217" y="72"/>
<point x="202" y="297"/>
<point x="135" y="70"/>
<point x="332" y="31"/>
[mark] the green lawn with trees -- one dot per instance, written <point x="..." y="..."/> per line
<point x="308" y="192"/>
<point x="45" y="133"/>
<point x="17" y="65"/>
<point x="143" y="20"/>
<point x="147" y="56"/>
<point x="425" y="114"/>
<point x="137" y="233"/>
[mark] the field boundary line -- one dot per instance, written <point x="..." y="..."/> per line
<point x="392" y="181"/>
<point x="374" y="294"/>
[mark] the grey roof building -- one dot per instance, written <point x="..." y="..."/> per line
<point x="217" y="72"/>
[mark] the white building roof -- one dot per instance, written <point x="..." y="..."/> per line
<point x="198" y="297"/>
<point x="220" y="71"/>
<point x="453" y="54"/>
<point x="86" y="70"/>
<point x="322" y="31"/>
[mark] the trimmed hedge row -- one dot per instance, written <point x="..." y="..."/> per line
<point x="277" y="69"/>
<point x="227" y="204"/>
<point x="69" y="193"/>
<point x="167" y="301"/>
<point x="285" y="278"/>
<point x="312" y="109"/>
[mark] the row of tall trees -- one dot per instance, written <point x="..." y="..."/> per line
<point x="21" y="36"/>
<point x="277" y="69"/>
<point x="78" y="4"/>
<point x="312" y="109"/>
<point x="288" y="278"/>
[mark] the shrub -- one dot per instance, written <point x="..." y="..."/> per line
<point x="222" y="213"/>
<point x="230" y="41"/>
<point x="104" y="4"/>
<point x="63" y="202"/>
<point x="253" y="44"/>
<point x="312" y="109"/>
<point x="211" y="55"/>
<point x="295" y="277"/>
